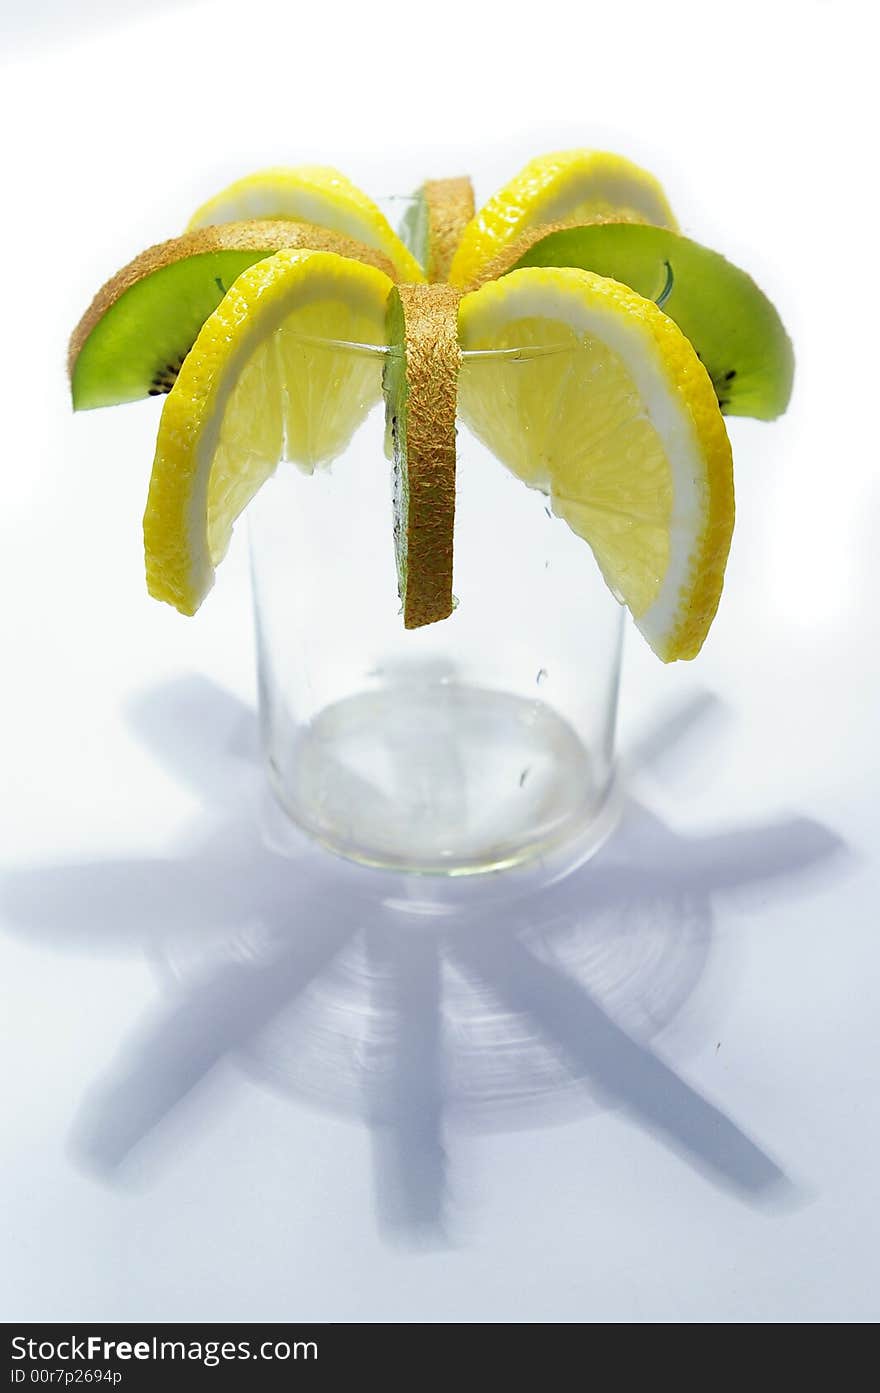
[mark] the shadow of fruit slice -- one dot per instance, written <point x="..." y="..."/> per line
<point x="133" y="338"/>
<point x="734" y="328"/>
<point x="286" y="367"/>
<point x="420" y="385"/>
<point x="433" y="224"/>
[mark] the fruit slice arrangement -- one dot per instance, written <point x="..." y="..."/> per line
<point x="275" y="323"/>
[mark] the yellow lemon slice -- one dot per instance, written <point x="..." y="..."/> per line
<point x="602" y="404"/>
<point x="268" y="377"/>
<point x="315" y="194"/>
<point x="571" y="187"/>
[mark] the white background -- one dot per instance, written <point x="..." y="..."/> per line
<point x="745" y="954"/>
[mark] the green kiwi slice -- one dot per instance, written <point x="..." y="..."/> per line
<point x="140" y="326"/>
<point x="731" y="323"/>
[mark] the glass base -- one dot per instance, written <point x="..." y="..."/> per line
<point x="437" y="777"/>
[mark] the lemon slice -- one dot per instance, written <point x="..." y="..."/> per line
<point x="314" y="194"/>
<point x="603" y="405"/>
<point x="266" y="379"/>
<point x="571" y="187"/>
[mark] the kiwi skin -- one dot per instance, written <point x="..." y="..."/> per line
<point x="133" y="338"/>
<point x="421" y="386"/>
<point x="434" y="222"/>
<point x="450" y="207"/>
<point x="734" y="328"/>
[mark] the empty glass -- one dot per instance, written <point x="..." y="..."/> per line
<point x="478" y="743"/>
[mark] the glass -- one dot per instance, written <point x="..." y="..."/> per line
<point x="479" y="743"/>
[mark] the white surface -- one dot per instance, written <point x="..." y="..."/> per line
<point x="751" y="973"/>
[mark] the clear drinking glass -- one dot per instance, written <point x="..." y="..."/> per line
<point x="479" y="743"/>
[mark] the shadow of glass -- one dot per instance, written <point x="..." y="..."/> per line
<point x="327" y="981"/>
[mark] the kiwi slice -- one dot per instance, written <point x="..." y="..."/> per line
<point x="420" y="385"/>
<point x="433" y="224"/>
<point x="133" y="338"/>
<point x="733" y="326"/>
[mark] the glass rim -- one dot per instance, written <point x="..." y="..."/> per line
<point x="515" y="354"/>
